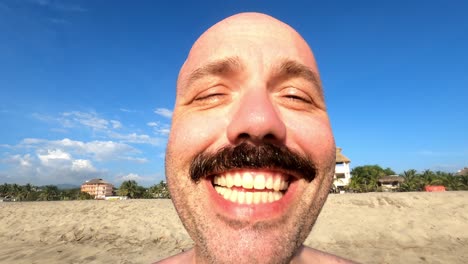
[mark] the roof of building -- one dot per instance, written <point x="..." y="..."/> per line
<point x="96" y="181"/>
<point x="340" y="158"/>
<point x="463" y="172"/>
<point x="391" y="178"/>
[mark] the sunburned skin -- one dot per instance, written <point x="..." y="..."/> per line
<point x="251" y="153"/>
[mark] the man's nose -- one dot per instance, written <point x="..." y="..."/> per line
<point x="257" y="120"/>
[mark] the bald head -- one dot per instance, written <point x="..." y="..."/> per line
<point x="248" y="36"/>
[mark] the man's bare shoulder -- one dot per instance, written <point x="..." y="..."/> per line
<point x="310" y="255"/>
<point x="184" y="257"/>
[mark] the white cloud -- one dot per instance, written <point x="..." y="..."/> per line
<point x="116" y="124"/>
<point x="75" y="119"/>
<point x="159" y="129"/>
<point x="127" y="110"/>
<point x="82" y="165"/>
<point x="90" y="119"/>
<point x="137" y="160"/>
<point x="99" y="150"/>
<point x="163" y="112"/>
<point x="136" y="138"/>
<point x="54" y="157"/>
<point x="130" y="177"/>
<point x="48" y="166"/>
<point x="22" y="161"/>
<point x="163" y="131"/>
<point x="141" y="180"/>
<point x="108" y="150"/>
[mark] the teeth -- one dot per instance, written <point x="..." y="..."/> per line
<point x="221" y="181"/>
<point x="248" y="197"/>
<point x="268" y="184"/>
<point x="237" y="180"/>
<point x="271" y="187"/>
<point x="247" y="181"/>
<point x="245" y="197"/>
<point x="257" y="197"/>
<point x="277" y="184"/>
<point x="271" y="197"/>
<point x="229" y="182"/>
<point x="259" y="182"/>
<point x="233" y="197"/>
<point x="264" y="197"/>
<point x="284" y="185"/>
<point x="277" y="196"/>
<point x="256" y="181"/>
<point x="227" y="193"/>
<point x="240" y="197"/>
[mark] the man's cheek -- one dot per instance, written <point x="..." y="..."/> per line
<point x="191" y="135"/>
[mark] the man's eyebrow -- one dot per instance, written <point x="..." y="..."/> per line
<point x="293" y="69"/>
<point x="221" y="67"/>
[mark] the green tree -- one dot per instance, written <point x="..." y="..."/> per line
<point x="160" y="190"/>
<point x="29" y="192"/>
<point x="411" y="182"/>
<point x="4" y="189"/>
<point x="131" y="189"/>
<point x="85" y="196"/>
<point x="365" y="178"/>
<point x="49" y="193"/>
<point x="15" y="191"/>
<point x="428" y="177"/>
<point x="463" y="180"/>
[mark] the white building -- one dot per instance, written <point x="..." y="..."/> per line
<point x="342" y="171"/>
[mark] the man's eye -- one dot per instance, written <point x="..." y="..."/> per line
<point x="296" y="95"/>
<point x="298" y="98"/>
<point x="214" y="96"/>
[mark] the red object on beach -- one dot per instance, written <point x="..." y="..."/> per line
<point x="434" y="188"/>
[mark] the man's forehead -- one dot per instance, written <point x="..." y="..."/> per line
<point x="240" y="37"/>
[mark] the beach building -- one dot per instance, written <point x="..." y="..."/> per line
<point x="390" y="183"/>
<point x="462" y="172"/>
<point x="342" y="171"/>
<point x="97" y="188"/>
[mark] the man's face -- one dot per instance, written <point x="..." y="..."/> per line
<point x="251" y="154"/>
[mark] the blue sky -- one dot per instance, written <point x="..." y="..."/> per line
<point x="87" y="87"/>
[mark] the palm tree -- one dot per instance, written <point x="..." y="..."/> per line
<point x="411" y="182"/>
<point x="159" y="190"/>
<point x="130" y="188"/>
<point x="450" y="181"/>
<point x="15" y="191"/>
<point x="49" y="193"/>
<point x="28" y="191"/>
<point x="4" y="189"/>
<point x="463" y="179"/>
<point x="429" y="178"/>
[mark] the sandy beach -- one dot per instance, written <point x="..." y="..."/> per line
<point x="368" y="228"/>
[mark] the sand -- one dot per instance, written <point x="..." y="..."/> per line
<point x="368" y="228"/>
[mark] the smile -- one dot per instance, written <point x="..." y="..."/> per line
<point x="251" y="187"/>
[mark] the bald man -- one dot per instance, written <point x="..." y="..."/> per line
<point x="251" y="154"/>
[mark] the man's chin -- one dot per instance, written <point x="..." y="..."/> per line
<point x="252" y="244"/>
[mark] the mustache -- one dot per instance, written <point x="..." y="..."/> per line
<point x="250" y="156"/>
